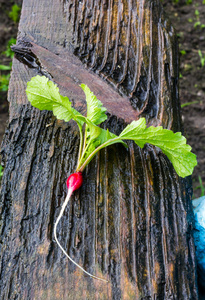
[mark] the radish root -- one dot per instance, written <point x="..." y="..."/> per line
<point x="55" y="235"/>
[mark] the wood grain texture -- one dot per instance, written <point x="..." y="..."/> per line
<point x="131" y="222"/>
<point x="131" y="45"/>
<point x="69" y="73"/>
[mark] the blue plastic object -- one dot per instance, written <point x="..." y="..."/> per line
<point x="199" y="238"/>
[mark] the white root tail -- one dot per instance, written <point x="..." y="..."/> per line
<point x="55" y="235"/>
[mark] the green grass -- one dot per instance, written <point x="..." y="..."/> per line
<point x="8" y="52"/>
<point x="4" y="78"/>
<point x="5" y="68"/>
<point x="189" y="103"/>
<point x="200" y="186"/>
<point x="14" y="14"/>
<point x="1" y="171"/>
<point x="183" y="52"/>
<point x="202" y="58"/>
<point x="4" y="82"/>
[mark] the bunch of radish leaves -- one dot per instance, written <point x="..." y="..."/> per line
<point x="44" y="95"/>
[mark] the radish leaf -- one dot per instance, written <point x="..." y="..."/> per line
<point x="172" y="144"/>
<point x="44" y="95"/>
<point x="96" y="137"/>
<point x="95" y="110"/>
<point x="101" y="136"/>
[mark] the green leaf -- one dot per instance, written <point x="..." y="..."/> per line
<point x="15" y="13"/>
<point x="1" y="171"/>
<point x="101" y="136"/>
<point x="188" y="103"/>
<point x="97" y="136"/>
<point x="93" y="131"/>
<point x="5" y="68"/>
<point x="9" y="52"/>
<point x="198" y="23"/>
<point x="108" y="138"/>
<point x="95" y="110"/>
<point x="4" y="82"/>
<point x="104" y="139"/>
<point x="172" y="144"/>
<point x="44" y="95"/>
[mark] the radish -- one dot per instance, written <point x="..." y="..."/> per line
<point x="74" y="182"/>
<point x="44" y="95"/>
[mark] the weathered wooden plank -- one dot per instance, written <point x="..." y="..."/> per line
<point x="131" y="221"/>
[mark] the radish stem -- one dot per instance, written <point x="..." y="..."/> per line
<point x="80" y="168"/>
<point x="81" y="143"/>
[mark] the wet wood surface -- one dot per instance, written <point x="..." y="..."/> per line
<point x="131" y="222"/>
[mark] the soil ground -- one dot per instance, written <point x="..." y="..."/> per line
<point x="8" y="30"/>
<point x="188" y="18"/>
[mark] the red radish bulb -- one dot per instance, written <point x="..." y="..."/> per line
<point x="74" y="181"/>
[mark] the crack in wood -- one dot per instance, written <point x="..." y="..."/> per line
<point x="68" y="73"/>
<point x="23" y="52"/>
